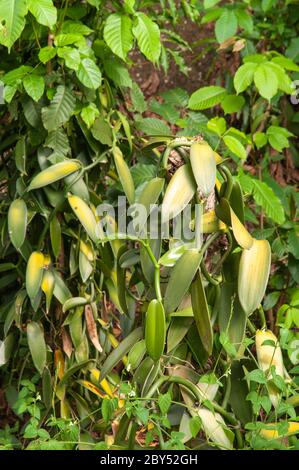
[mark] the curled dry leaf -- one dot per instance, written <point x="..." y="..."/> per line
<point x="92" y="328"/>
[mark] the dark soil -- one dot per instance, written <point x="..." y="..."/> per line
<point x="153" y="81"/>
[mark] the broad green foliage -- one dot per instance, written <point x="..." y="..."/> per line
<point x="104" y="332"/>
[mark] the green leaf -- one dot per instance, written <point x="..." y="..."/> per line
<point x="235" y="146"/>
<point x="179" y="193"/>
<point x="206" y="97"/>
<point x="89" y="114"/>
<point x="265" y="197"/>
<point x="164" y="402"/>
<point x="12" y="16"/>
<point x="151" y="193"/>
<point x="71" y="57"/>
<point x="60" y="109"/>
<point x="55" y="235"/>
<point x="155" y="330"/>
<point x="37" y="345"/>
<point x="285" y="84"/>
<point x="34" y="86"/>
<point x="286" y="63"/>
<point x="118" y="73"/>
<point x="201" y="314"/>
<point x="138" y="100"/>
<point x="122" y="349"/>
<point x="89" y="74"/>
<point x="254" y="270"/>
<point x="266" y="81"/>
<point x="118" y="34"/>
<point x="44" y="11"/>
<point x="245" y="20"/>
<point x="17" y="222"/>
<point x="244" y="76"/>
<point x="62" y="40"/>
<point x="147" y="34"/>
<point x="101" y="131"/>
<point x="46" y="53"/>
<point x="271" y="300"/>
<point x="293" y="243"/>
<point x="278" y="137"/>
<point x="180" y="279"/>
<point x="227" y="345"/>
<point x="195" y="425"/>
<point x="226" y="26"/>
<point x="210" y="3"/>
<point x="153" y="126"/>
<point x="107" y="408"/>
<point x="256" y="375"/>
<point x="232" y="104"/>
<point x="203" y="162"/>
<point x="260" y="139"/>
<point x="124" y="174"/>
<point x="217" y="125"/>
<point x="58" y="141"/>
<point x="178" y="329"/>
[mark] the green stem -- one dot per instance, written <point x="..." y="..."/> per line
<point x="46" y="227"/>
<point x="209" y="242"/>
<point x="251" y="327"/>
<point x="229" y="180"/>
<point x="157" y="270"/>
<point x="85" y="169"/>
<point x="172" y="146"/>
<point x="207" y="275"/>
<point x="262" y="317"/>
<point x="195" y="391"/>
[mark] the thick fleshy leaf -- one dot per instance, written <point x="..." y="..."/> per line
<point x="34" y="273"/>
<point x="55" y="235"/>
<point x="74" y="302"/>
<point x="228" y="216"/>
<point x="47" y="286"/>
<point x="214" y="426"/>
<point x="203" y="167"/>
<point x="239" y="391"/>
<point x="177" y="331"/>
<point x="124" y="174"/>
<point x="231" y="316"/>
<point x="120" y="351"/>
<point x="37" y="345"/>
<point x="85" y="215"/>
<point x="201" y="313"/>
<point x="54" y="173"/>
<point x="17" y="222"/>
<point x="180" y="279"/>
<point x="155" y="330"/>
<point x="151" y="193"/>
<point x="254" y="272"/>
<point x="179" y="192"/>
